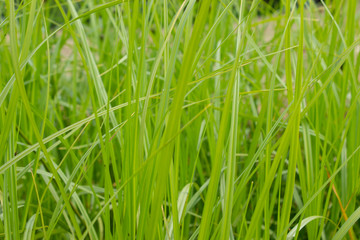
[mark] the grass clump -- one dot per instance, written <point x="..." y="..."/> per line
<point x="179" y="119"/>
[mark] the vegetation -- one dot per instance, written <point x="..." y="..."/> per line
<point x="184" y="119"/>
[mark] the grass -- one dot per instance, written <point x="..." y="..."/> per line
<point x="179" y="119"/>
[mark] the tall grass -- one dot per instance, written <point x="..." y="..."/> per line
<point x="179" y="119"/>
